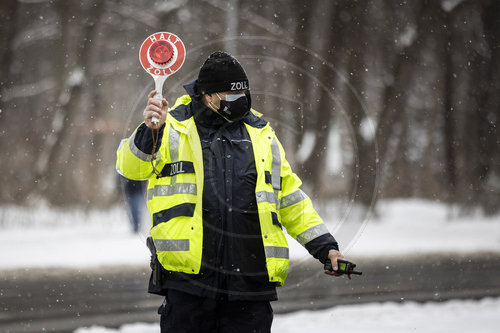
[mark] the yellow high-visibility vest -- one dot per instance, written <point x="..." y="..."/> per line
<point x="175" y="201"/>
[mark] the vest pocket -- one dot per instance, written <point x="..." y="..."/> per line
<point x="268" y="178"/>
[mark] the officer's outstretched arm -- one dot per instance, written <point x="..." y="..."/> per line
<point x="299" y="217"/>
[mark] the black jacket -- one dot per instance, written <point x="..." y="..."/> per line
<point x="233" y="260"/>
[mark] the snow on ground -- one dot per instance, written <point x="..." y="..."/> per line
<point x="451" y="316"/>
<point x="43" y="237"/>
<point x="40" y="238"/>
<point x="415" y="227"/>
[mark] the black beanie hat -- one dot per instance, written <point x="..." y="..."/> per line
<point x="221" y="72"/>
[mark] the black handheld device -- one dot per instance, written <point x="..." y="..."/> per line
<point x="344" y="267"/>
<point x="155" y="264"/>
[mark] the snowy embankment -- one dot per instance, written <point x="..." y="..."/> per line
<point x="42" y="238"/>
<point x="451" y="316"/>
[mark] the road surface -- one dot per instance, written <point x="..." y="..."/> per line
<point x="60" y="300"/>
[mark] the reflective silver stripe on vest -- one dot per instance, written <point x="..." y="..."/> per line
<point x="276" y="166"/>
<point x="167" y="190"/>
<point x="276" y="252"/>
<point x="312" y="233"/>
<point x="292" y="198"/>
<point x="121" y="144"/>
<point x="171" y="244"/>
<point x="117" y="166"/>
<point x="264" y="196"/>
<point x="137" y="152"/>
<point x="276" y="170"/>
<point x="173" y="148"/>
<point x="119" y="171"/>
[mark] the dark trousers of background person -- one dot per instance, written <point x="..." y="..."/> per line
<point x="133" y="194"/>
<point x="135" y="204"/>
<point x="185" y="313"/>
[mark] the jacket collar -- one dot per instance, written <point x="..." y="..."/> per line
<point x="190" y="88"/>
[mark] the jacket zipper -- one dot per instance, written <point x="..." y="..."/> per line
<point x="220" y="247"/>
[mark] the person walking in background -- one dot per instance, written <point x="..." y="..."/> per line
<point x="133" y="196"/>
<point x="220" y="192"/>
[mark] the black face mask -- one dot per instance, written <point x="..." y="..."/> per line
<point x="234" y="108"/>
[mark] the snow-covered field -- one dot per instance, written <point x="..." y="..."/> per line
<point x="451" y="316"/>
<point x="41" y="237"/>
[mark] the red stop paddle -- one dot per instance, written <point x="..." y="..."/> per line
<point x="161" y="55"/>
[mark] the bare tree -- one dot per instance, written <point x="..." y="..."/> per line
<point x="425" y="74"/>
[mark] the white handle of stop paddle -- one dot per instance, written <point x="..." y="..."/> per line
<point x="159" y="81"/>
<point x="159" y="97"/>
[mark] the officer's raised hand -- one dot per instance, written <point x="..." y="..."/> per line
<point x="333" y="255"/>
<point x="155" y="108"/>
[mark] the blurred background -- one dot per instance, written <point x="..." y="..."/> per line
<point x="372" y="99"/>
<point x="390" y="106"/>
